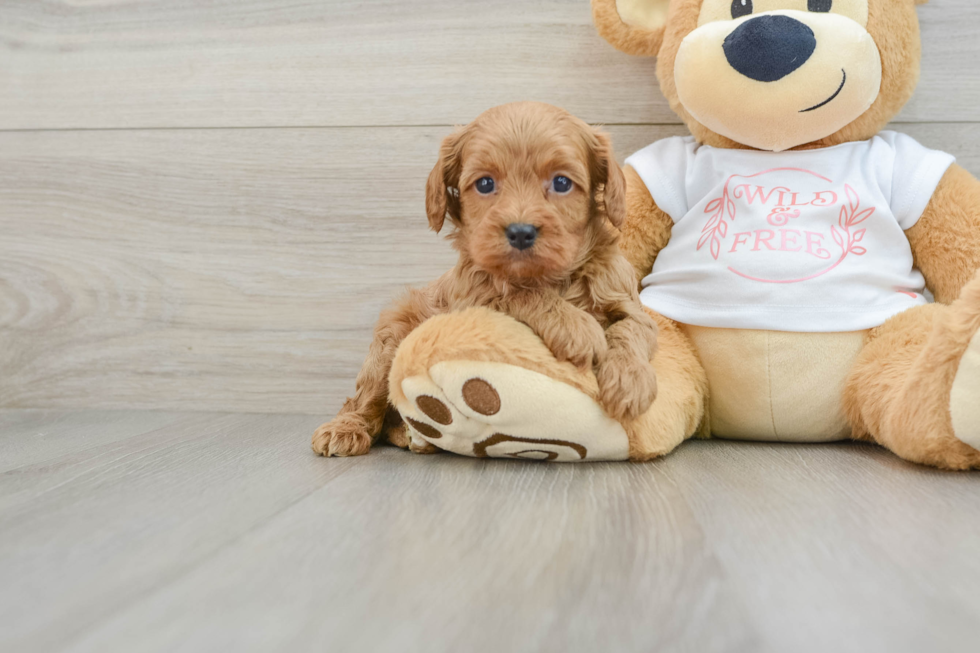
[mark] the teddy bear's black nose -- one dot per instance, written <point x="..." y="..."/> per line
<point x="521" y="236"/>
<point x="768" y="48"/>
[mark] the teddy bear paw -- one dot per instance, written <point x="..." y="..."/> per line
<point x="496" y="410"/>
<point x="964" y="405"/>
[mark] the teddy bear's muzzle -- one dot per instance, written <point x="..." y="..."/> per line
<point x="777" y="80"/>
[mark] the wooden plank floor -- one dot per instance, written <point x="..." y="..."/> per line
<point x="130" y="531"/>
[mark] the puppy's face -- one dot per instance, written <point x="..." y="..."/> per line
<point x="526" y="186"/>
<point x="525" y="196"/>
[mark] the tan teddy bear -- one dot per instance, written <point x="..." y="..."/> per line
<point x="813" y="277"/>
<point x="804" y="270"/>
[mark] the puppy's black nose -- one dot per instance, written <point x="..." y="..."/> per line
<point x="769" y="48"/>
<point x="521" y="236"/>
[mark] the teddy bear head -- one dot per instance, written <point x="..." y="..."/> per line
<point x="774" y="74"/>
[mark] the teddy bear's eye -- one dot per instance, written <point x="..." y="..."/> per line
<point x="743" y="8"/>
<point x="820" y="5"/>
<point x="485" y="185"/>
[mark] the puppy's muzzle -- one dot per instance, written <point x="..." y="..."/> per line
<point x="769" y="48"/>
<point x="521" y="236"/>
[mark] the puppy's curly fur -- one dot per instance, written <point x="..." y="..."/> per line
<point x="572" y="287"/>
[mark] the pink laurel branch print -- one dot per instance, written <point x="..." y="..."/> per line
<point x="716" y="228"/>
<point x="851" y="215"/>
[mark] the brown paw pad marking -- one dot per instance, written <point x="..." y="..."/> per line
<point x="534" y="454"/>
<point x="435" y="410"/>
<point x="424" y="429"/>
<point x="481" y="397"/>
<point x="480" y="448"/>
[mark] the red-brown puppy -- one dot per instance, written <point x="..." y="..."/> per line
<point x="535" y="199"/>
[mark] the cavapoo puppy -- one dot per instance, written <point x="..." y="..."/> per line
<point x="535" y="199"/>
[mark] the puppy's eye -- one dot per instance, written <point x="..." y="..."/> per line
<point x="485" y="185"/>
<point x="822" y="6"/>
<point x="561" y="184"/>
<point x="743" y="8"/>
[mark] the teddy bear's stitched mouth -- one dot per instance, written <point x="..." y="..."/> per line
<point x="832" y="97"/>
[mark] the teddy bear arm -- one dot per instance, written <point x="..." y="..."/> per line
<point x="647" y="227"/>
<point x="946" y="239"/>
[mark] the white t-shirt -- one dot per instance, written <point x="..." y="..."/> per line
<point x="788" y="241"/>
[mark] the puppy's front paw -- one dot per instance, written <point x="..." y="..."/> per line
<point x="578" y="339"/>
<point x="346" y="435"/>
<point x="627" y="385"/>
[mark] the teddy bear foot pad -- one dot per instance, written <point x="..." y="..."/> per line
<point x="964" y="403"/>
<point x="496" y="410"/>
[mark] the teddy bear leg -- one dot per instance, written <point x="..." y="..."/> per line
<point x="682" y="391"/>
<point x="916" y="385"/>
<point x="479" y="383"/>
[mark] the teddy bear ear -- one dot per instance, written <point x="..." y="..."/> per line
<point x="633" y="26"/>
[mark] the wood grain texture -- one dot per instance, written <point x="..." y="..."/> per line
<point x="39" y="435"/>
<point x="237" y="270"/>
<point x="84" y="534"/>
<point x="224" y="63"/>
<point x="224" y="532"/>
<point x="846" y="548"/>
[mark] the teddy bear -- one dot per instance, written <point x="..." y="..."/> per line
<point x="813" y="276"/>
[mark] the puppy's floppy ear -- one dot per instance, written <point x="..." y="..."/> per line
<point x="606" y="171"/>
<point x="633" y="26"/>
<point x="442" y="189"/>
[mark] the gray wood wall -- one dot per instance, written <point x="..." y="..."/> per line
<point x="204" y="205"/>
